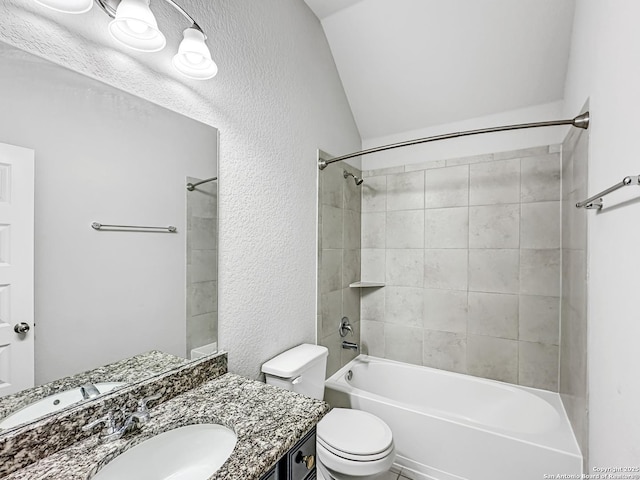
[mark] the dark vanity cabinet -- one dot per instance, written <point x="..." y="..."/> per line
<point x="299" y="463"/>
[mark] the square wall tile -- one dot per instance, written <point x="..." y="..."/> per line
<point x="372" y="338"/>
<point x="493" y="314"/>
<point x="331" y="313"/>
<point x="405" y="229"/>
<point x="405" y="191"/>
<point x="203" y="298"/>
<point x="350" y="267"/>
<point x="539" y="319"/>
<point x="541" y="178"/>
<point x="203" y="266"/>
<point x="540" y="272"/>
<point x="404" y="305"/>
<point x="446" y="227"/>
<point x="374" y="194"/>
<point x="351" y="231"/>
<point x="445" y="350"/>
<point x="538" y="366"/>
<point x="372" y="265"/>
<point x="334" y="343"/>
<point x="330" y="271"/>
<point x="372" y="304"/>
<point x="494" y="271"/>
<point x="202" y="234"/>
<point x="403" y="344"/>
<point x="494" y="358"/>
<point x="351" y="304"/>
<point x="373" y="229"/>
<point x="494" y="182"/>
<point x="332" y="183"/>
<point x="405" y="267"/>
<point x="540" y="225"/>
<point x="447" y="187"/>
<point x="332" y="224"/>
<point x="494" y="226"/>
<point x="445" y="310"/>
<point x="445" y="269"/>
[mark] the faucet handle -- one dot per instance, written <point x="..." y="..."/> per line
<point x="345" y="327"/>
<point x="143" y="402"/>
<point x="108" y="420"/>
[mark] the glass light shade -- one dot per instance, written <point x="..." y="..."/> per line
<point x="67" y="6"/>
<point x="136" y="27"/>
<point x="193" y="59"/>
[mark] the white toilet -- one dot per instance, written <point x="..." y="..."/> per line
<point x="350" y="444"/>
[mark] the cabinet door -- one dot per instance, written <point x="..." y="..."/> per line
<point x="271" y="475"/>
<point x="301" y="459"/>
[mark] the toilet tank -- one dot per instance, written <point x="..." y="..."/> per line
<point x="301" y="369"/>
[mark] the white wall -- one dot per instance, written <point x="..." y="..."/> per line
<point x="604" y="66"/>
<point x="102" y="155"/>
<point x="468" y="146"/>
<point x="276" y="100"/>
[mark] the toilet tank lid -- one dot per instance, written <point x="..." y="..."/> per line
<point x="293" y="362"/>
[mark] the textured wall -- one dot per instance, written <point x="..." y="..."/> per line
<point x="276" y="100"/>
<point x="469" y="249"/>
<point x="338" y="261"/>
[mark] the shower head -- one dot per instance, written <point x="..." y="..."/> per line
<point x="358" y="180"/>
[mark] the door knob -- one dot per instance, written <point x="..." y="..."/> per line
<point x="21" y="328"/>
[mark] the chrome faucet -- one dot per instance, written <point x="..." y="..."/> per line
<point x="350" y="345"/>
<point x="89" y="390"/>
<point x="112" y="431"/>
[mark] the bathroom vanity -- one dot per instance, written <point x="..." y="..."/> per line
<point x="275" y="429"/>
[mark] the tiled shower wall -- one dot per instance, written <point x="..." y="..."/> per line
<point x="202" y="264"/>
<point x="469" y="250"/>
<point x="338" y="262"/>
<point x="573" y="345"/>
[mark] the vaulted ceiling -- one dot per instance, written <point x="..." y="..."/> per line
<point x="410" y="64"/>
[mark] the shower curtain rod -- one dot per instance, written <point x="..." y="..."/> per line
<point x="191" y="186"/>
<point x="581" y="121"/>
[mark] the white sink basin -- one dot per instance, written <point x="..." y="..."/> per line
<point x="52" y="403"/>
<point x="194" y="452"/>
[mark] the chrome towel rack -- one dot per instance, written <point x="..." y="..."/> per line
<point x="102" y="226"/>
<point x="596" y="201"/>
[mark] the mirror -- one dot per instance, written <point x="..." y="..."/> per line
<point x="99" y="295"/>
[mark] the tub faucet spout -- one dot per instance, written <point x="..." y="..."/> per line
<point x="350" y="346"/>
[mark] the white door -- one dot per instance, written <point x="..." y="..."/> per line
<point x="16" y="268"/>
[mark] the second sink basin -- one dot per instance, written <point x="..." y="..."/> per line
<point x="52" y="403"/>
<point x="194" y="452"/>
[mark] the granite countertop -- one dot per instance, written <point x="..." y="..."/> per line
<point x="130" y="370"/>
<point x="267" y="420"/>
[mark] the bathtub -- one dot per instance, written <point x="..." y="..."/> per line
<point x="449" y="426"/>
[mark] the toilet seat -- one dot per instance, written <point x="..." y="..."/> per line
<point x="340" y="467"/>
<point x="355" y="434"/>
<point x="356" y="458"/>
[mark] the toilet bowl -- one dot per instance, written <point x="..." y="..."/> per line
<point x="353" y="444"/>
<point x="350" y="444"/>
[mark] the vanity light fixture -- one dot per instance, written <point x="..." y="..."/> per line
<point x="135" y="26"/>
<point x="67" y="6"/>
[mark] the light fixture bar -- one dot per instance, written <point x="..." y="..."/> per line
<point x="110" y="10"/>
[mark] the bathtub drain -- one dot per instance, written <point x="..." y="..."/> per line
<point x="349" y="375"/>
